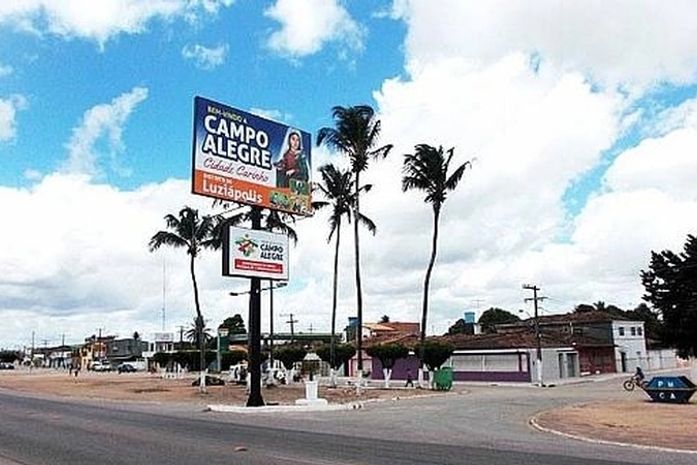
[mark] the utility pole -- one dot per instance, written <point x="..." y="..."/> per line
<point x="291" y="321"/>
<point x="538" y="336"/>
<point x="31" y="362"/>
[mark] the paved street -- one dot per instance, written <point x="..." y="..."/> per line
<point x="484" y="426"/>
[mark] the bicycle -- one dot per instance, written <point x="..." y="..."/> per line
<point x="632" y="383"/>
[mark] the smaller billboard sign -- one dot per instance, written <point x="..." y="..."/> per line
<point x="249" y="253"/>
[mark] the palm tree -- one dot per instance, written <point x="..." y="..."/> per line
<point x="193" y="233"/>
<point x="194" y="334"/>
<point x="336" y="189"/>
<point x="356" y="134"/>
<point x="427" y="170"/>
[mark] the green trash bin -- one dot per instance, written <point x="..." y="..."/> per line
<point x="443" y="379"/>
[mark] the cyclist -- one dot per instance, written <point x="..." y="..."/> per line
<point x="639" y="376"/>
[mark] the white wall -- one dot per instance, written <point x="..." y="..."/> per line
<point x="661" y="359"/>
<point x="629" y="338"/>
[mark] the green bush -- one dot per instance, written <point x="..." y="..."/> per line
<point x="388" y="354"/>
<point x="435" y="353"/>
<point x="288" y="355"/>
<point x="228" y="359"/>
<point x="342" y="353"/>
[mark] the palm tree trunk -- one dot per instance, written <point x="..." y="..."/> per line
<point x="427" y="283"/>
<point x="359" y="291"/>
<point x="199" y="319"/>
<point x="332" y="344"/>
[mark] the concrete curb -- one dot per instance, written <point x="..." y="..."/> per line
<point x="533" y="422"/>
<point x="221" y="408"/>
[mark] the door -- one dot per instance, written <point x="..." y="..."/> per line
<point x="623" y="361"/>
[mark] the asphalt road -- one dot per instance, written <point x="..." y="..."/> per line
<point x="54" y="432"/>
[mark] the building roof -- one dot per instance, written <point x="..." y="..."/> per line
<point x="522" y="338"/>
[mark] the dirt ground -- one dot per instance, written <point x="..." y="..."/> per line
<point x="150" y="387"/>
<point x="635" y="422"/>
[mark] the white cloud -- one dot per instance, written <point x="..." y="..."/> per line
<point x="621" y="42"/>
<point x="94" y="268"/>
<point x="8" y="114"/>
<point x="205" y="57"/>
<point x="272" y="114"/>
<point x="307" y="25"/>
<point x="5" y="70"/>
<point x="100" y="21"/>
<point x="102" y="121"/>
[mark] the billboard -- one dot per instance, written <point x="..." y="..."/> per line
<point x="249" y="253"/>
<point x="241" y="157"/>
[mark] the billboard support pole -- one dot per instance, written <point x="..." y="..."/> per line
<point x="254" y="344"/>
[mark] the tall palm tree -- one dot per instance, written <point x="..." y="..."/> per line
<point x="192" y="232"/>
<point x="427" y="170"/>
<point x="356" y="135"/>
<point x="336" y="189"/>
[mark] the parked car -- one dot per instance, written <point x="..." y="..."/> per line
<point x="127" y="368"/>
<point x="104" y="365"/>
<point x="6" y="366"/>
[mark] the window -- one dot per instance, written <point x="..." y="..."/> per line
<point x="640" y="331"/>
<point x="632" y="330"/>
<point x="621" y="330"/>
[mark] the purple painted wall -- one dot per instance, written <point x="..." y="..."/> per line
<point x="399" y="372"/>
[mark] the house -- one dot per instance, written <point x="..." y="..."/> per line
<point x="94" y="348"/>
<point x="375" y="333"/>
<point x="125" y="350"/>
<point x="497" y="357"/>
<point x="606" y="343"/>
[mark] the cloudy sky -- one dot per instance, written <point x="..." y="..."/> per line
<point x="581" y="119"/>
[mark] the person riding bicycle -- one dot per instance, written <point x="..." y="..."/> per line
<point x="639" y="376"/>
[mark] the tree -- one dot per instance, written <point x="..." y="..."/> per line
<point x="459" y="327"/>
<point x="671" y="287"/>
<point x="196" y="331"/>
<point x="584" y="308"/>
<point x="7" y="356"/>
<point x="388" y="354"/>
<point x="192" y="233"/>
<point x="385" y="319"/>
<point x="653" y="326"/>
<point x="336" y="189"/>
<point x="289" y="355"/>
<point x="342" y="354"/>
<point x="496" y="316"/>
<point x="427" y="169"/>
<point x="231" y="358"/>
<point x="234" y="324"/>
<point x="355" y="133"/>
<point x="435" y="354"/>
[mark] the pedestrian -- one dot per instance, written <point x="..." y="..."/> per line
<point x="410" y="379"/>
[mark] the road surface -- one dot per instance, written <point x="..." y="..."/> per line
<point x="38" y="430"/>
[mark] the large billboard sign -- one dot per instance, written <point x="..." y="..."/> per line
<point x="249" y="253"/>
<point x="241" y="157"/>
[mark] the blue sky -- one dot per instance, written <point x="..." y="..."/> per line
<point x="62" y="78"/>
<point x="582" y="129"/>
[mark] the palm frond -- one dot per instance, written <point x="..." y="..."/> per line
<point x="166" y="238"/>
<point x="368" y="223"/>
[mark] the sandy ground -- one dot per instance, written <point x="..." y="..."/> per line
<point x="636" y="422"/>
<point x="152" y="388"/>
